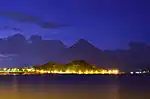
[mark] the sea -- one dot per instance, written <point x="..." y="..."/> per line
<point x="74" y="87"/>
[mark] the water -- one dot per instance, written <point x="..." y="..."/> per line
<point x="74" y="87"/>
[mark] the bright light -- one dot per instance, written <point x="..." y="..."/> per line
<point x="96" y="71"/>
<point x="91" y="72"/>
<point x="131" y="72"/>
<point x="41" y="71"/>
<point x="102" y="71"/>
<point x="80" y="72"/>
<point x="5" y="69"/>
<point x="74" y="72"/>
<point x="29" y="70"/>
<point x="115" y="71"/>
<point x="86" y="72"/>
<point x="109" y="71"/>
<point x="60" y="72"/>
<point x="55" y="71"/>
<point x="68" y="71"/>
<point x="137" y="72"/>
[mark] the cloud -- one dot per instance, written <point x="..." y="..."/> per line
<point x="17" y="29"/>
<point x="21" y="17"/>
<point x="2" y="55"/>
<point x="50" y="25"/>
<point x="11" y="28"/>
<point x="5" y="27"/>
<point x="7" y="56"/>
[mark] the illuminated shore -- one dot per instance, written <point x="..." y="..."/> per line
<point x="74" y="67"/>
<point x="81" y="72"/>
<point x="16" y="71"/>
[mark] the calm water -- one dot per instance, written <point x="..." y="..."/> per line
<point x="74" y="87"/>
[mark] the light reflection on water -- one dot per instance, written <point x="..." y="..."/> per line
<point x="48" y="87"/>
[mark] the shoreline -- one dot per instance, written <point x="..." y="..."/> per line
<point x="51" y="74"/>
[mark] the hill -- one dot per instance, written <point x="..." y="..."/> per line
<point x="17" y="51"/>
<point x="77" y="65"/>
<point x="83" y="50"/>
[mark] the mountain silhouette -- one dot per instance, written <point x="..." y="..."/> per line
<point x="137" y="56"/>
<point x="83" y="42"/>
<point x="20" y="52"/>
<point x="83" y="50"/>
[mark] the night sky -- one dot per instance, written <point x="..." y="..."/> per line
<point x="108" y="24"/>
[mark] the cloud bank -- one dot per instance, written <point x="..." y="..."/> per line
<point x="21" y="17"/>
<point x="7" y="56"/>
<point x="11" y="28"/>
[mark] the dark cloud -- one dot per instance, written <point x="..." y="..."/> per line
<point x="50" y="25"/>
<point x="17" y="29"/>
<point x="21" y="17"/>
<point x="6" y="27"/>
<point x="11" y="28"/>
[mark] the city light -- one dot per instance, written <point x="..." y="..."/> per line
<point x="36" y="71"/>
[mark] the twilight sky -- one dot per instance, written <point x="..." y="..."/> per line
<point x="108" y="24"/>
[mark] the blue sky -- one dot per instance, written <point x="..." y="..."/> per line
<point x="108" y="24"/>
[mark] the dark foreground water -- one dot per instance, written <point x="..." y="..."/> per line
<point x="74" y="87"/>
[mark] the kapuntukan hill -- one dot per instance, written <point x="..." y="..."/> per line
<point x="74" y="67"/>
